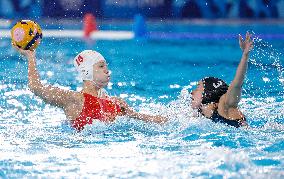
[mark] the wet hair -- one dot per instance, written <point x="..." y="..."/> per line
<point x="214" y="88"/>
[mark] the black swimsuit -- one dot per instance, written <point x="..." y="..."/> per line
<point x="216" y="117"/>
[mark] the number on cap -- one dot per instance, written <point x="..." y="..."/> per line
<point x="79" y="60"/>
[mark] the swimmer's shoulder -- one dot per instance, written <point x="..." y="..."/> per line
<point x="77" y="96"/>
<point x="229" y="112"/>
<point x="74" y="98"/>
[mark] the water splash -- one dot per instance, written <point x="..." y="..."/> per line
<point x="266" y="57"/>
<point x="266" y="77"/>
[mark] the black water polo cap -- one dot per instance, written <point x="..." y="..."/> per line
<point x="214" y="88"/>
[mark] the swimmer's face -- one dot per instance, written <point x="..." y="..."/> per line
<point x="196" y="96"/>
<point x="101" y="74"/>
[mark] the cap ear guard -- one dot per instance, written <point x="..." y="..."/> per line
<point x="86" y="74"/>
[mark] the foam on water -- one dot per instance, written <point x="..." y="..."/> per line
<point x="39" y="143"/>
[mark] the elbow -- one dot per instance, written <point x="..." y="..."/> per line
<point x="34" y="87"/>
<point x="31" y="87"/>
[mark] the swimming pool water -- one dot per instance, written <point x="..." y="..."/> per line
<point x="37" y="142"/>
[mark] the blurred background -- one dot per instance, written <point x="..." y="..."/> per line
<point x="126" y="9"/>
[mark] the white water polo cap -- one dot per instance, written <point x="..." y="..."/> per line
<point x="84" y="62"/>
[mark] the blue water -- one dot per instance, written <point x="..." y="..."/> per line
<point x="37" y="142"/>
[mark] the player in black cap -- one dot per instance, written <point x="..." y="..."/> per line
<point x="216" y="100"/>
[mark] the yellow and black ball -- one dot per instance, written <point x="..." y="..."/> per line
<point x="26" y="34"/>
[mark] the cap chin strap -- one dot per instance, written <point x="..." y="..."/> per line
<point x="200" y="110"/>
<point x="101" y="92"/>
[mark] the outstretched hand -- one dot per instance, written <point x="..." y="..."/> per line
<point x="26" y="53"/>
<point x="247" y="44"/>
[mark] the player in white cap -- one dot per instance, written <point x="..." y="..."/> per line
<point x="92" y="103"/>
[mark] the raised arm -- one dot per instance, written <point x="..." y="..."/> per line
<point x="233" y="95"/>
<point x="52" y="95"/>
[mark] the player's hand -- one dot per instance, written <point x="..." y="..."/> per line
<point x="26" y="53"/>
<point x="247" y="44"/>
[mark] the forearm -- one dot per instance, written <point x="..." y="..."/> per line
<point x="233" y="94"/>
<point x="148" y="118"/>
<point x="137" y="115"/>
<point x="126" y="110"/>
<point x="241" y="71"/>
<point x="33" y="75"/>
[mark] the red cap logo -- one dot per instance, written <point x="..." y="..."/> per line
<point x="79" y="60"/>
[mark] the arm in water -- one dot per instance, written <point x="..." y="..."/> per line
<point x="126" y="110"/>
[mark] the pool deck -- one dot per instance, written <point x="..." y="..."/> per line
<point x="98" y="35"/>
<point x="71" y="28"/>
